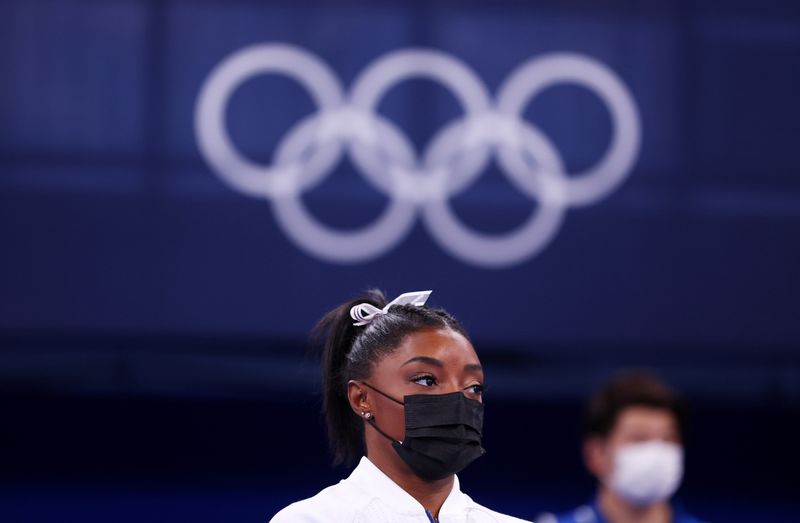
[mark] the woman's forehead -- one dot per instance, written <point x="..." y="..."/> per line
<point x="445" y="345"/>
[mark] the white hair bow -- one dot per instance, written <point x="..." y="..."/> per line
<point x="364" y="313"/>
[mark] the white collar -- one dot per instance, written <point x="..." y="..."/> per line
<point x="372" y="480"/>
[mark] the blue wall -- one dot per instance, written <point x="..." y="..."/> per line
<point x="133" y="274"/>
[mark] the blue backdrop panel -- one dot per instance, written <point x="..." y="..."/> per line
<point x="113" y="220"/>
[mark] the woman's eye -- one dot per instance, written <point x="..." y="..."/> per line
<point x="475" y="389"/>
<point x="425" y="381"/>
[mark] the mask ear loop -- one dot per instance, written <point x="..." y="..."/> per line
<point x="382" y="393"/>
<point x="374" y="424"/>
<point x="371" y="419"/>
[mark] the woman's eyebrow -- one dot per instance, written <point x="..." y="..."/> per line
<point x="424" y="359"/>
<point x="473" y="366"/>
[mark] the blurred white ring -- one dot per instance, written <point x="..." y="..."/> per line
<point x="538" y="74"/>
<point x="212" y="132"/>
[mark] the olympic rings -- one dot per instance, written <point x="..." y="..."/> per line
<point x="417" y="183"/>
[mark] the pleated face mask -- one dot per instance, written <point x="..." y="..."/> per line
<point x="442" y="433"/>
<point x="647" y="472"/>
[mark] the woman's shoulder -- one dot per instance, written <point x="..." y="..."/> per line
<point x="329" y="505"/>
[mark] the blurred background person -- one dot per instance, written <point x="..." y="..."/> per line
<point x="633" y="444"/>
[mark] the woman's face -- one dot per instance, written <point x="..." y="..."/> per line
<point x="437" y="361"/>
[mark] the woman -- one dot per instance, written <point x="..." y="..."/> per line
<point x="402" y="386"/>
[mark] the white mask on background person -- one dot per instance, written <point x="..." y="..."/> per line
<point x="647" y="473"/>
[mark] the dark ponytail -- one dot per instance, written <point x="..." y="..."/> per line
<point x="336" y="333"/>
<point x="349" y="352"/>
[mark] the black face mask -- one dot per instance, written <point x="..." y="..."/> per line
<point x="443" y="433"/>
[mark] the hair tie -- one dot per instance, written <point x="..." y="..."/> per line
<point x="364" y="313"/>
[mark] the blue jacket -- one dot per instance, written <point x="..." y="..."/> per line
<point x="591" y="514"/>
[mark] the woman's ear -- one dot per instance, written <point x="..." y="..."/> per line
<point x="358" y="398"/>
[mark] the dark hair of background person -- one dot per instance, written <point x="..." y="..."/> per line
<point x="349" y="352"/>
<point x="631" y="389"/>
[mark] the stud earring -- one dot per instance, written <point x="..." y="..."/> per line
<point x="367" y="415"/>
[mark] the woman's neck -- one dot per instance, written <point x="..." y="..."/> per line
<point x="617" y="510"/>
<point x="430" y="494"/>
